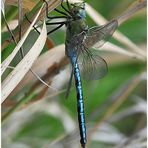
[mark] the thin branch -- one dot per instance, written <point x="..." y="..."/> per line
<point x="119" y="100"/>
<point x="131" y="10"/>
<point x="14" y="108"/>
<point x="26" y="100"/>
<point x="100" y="20"/>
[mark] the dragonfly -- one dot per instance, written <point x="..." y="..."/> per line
<point x="80" y="47"/>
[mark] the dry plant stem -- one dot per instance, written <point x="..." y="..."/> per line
<point x="8" y="103"/>
<point x="51" y="72"/>
<point x="10" y="67"/>
<point x="41" y="94"/>
<point x="26" y="100"/>
<point x="34" y="99"/>
<point x="116" y="49"/>
<point x="135" y="81"/>
<point x="7" y="61"/>
<point x="138" y="139"/>
<point x="20" y="103"/>
<point x="24" y="65"/>
<point x="100" y="20"/>
<point x="132" y="9"/>
<point x="55" y="94"/>
<point x="52" y="5"/>
<point x="27" y="4"/>
<point x="20" y="35"/>
<point x="130" y="45"/>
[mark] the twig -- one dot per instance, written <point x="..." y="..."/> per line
<point x="120" y="99"/>
<point x="100" y="20"/>
<point x="26" y="100"/>
<point x="52" y="5"/>
<point x="13" y="109"/>
<point x="132" y="9"/>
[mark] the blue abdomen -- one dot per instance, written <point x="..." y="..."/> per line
<point x="80" y="102"/>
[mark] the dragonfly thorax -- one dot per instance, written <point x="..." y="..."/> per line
<point x="78" y="10"/>
<point x="76" y="29"/>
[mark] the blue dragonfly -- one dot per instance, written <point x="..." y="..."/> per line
<point x="80" y="45"/>
<point x="79" y="42"/>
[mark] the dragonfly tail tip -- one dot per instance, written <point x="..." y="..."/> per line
<point x="83" y="145"/>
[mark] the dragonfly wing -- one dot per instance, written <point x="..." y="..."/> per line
<point x="98" y="35"/>
<point x="74" y="44"/>
<point x="92" y="66"/>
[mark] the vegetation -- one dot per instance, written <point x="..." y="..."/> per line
<point x="35" y="115"/>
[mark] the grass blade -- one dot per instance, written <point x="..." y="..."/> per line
<point x="22" y="68"/>
<point x="100" y="20"/>
<point x="7" y="61"/>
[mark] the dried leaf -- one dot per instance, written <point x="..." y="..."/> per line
<point x="3" y="6"/>
<point x="17" y="48"/>
<point x="25" y="25"/>
<point x="131" y="10"/>
<point x="27" y="4"/>
<point x="41" y="65"/>
<point x="23" y="67"/>
<point x="30" y="4"/>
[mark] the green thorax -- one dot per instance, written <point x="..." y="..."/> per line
<point x="78" y="24"/>
<point x="75" y="27"/>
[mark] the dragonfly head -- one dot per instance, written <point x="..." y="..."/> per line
<point x="78" y="10"/>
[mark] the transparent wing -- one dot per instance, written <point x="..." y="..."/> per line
<point x="92" y="65"/>
<point x="97" y="36"/>
<point x="73" y="45"/>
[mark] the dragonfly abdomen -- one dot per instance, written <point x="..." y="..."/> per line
<point x="80" y="104"/>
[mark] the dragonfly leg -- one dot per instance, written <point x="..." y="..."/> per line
<point x="65" y="14"/>
<point x="55" y="29"/>
<point x="65" y="8"/>
<point x="52" y="17"/>
<point x="30" y="23"/>
<point x="61" y="12"/>
<point x="36" y="75"/>
<point x="68" y="5"/>
<point x="61" y="24"/>
<point x="56" y="23"/>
